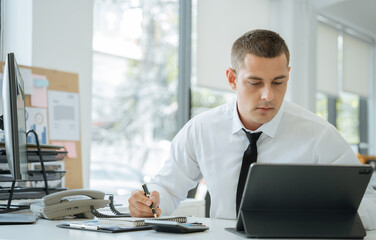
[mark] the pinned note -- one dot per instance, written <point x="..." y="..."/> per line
<point x="69" y="146"/>
<point x="63" y="116"/>
<point x="39" y="96"/>
<point x="40" y="80"/>
<point x="36" y="119"/>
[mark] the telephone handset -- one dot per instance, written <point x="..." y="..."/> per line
<point x="75" y="202"/>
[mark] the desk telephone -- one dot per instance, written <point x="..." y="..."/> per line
<point x="81" y="203"/>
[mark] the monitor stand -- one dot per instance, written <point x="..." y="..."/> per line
<point x="17" y="218"/>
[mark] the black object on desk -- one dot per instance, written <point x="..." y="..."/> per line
<point x="302" y="201"/>
<point x="175" y="227"/>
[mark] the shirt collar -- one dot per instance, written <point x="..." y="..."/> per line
<point x="269" y="128"/>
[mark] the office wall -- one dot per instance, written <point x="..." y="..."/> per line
<point x="57" y="35"/>
<point x="219" y="24"/>
<point x="17" y="33"/>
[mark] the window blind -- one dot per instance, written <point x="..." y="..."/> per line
<point x="327" y="60"/>
<point x="356" y="65"/>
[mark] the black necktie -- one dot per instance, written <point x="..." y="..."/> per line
<point x="249" y="157"/>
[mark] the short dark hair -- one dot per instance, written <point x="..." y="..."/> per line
<point x="259" y="42"/>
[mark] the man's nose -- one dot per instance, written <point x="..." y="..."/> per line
<point x="267" y="93"/>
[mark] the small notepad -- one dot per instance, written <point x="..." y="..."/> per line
<point x="105" y="226"/>
<point x="141" y="221"/>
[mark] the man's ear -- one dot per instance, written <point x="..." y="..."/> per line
<point x="288" y="73"/>
<point x="231" y="78"/>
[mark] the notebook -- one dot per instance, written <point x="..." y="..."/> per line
<point x="137" y="222"/>
<point x="115" y="225"/>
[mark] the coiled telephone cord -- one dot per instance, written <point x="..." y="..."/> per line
<point x="113" y="209"/>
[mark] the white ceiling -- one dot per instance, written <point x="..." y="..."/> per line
<point x="354" y="13"/>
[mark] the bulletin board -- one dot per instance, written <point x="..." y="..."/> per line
<point x="64" y="82"/>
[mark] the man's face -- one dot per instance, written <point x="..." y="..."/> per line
<point x="260" y="86"/>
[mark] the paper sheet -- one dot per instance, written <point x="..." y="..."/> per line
<point x="63" y="114"/>
<point x="36" y="118"/>
<point x="39" y="97"/>
<point x="1" y="94"/>
<point x="40" y="80"/>
<point x="28" y="80"/>
<point x="69" y="146"/>
<point x="1" y="89"/>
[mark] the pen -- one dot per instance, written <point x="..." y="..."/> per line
<point x="147" y="194"/>
<point x="83" y="226"/>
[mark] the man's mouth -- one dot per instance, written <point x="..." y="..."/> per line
<point x="265" y="109"/>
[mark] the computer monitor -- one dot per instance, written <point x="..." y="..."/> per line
<point x="13" y="100"/>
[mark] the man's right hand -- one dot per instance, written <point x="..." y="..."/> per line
<point x="139" y="204"/>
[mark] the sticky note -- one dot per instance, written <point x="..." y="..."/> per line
<point x="39" y="97"/>
<point x="71" y="148"/>
<point x="40" y="80"/>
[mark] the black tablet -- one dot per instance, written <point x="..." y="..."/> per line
<point x="303" y="201"/>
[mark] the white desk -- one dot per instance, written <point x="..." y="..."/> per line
<point x="45" y="229"/>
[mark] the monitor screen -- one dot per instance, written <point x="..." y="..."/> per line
<point x="13" y="99"/>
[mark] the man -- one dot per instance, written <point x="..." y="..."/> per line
<point x="212" y="144"/>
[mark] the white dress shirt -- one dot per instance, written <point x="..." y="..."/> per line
<point x="211" y="146"/>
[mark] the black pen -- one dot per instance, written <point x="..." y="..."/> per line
<point x="147" y="194"/>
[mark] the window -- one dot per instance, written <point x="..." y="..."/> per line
<point x="343" y="62"/>
<point x="135" y="72"/>
<point x="322" y="105"/>
<point x="347" y="121"/>
<point x="205" y="98"/>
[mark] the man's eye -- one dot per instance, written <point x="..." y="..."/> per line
<point x="254" y="83"/>
<point x="277" y="83"/>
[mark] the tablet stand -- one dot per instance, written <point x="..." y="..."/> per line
<point x="300" y="224"/>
